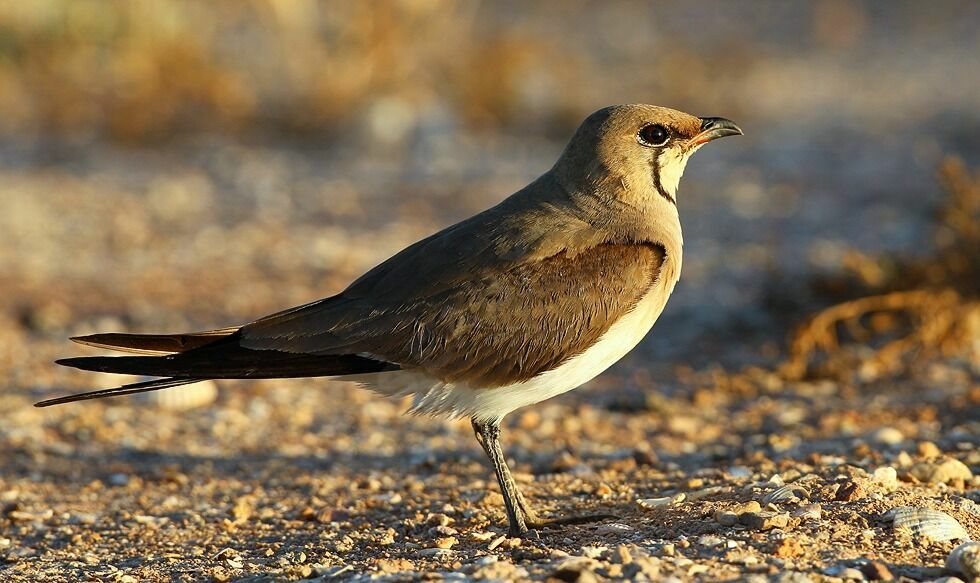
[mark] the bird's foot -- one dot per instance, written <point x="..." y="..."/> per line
<point x="534" y="522"/>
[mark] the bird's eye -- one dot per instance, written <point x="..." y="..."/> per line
<point x="653" y="135"/>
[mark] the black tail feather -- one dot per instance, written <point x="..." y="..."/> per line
<point x="131" y="389"/>
<point x="214" y="356"/>
<point x="231" y="364"/>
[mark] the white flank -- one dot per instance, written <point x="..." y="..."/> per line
<point x="460" y="399"/>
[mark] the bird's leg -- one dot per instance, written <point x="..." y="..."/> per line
<point x="519" y="512"/>
<point x="488" y="434"/>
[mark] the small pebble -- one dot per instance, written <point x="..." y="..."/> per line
<point x="726" y="518"/>
<point x="442" y="531"/>
<point x="185" y="398"/>
<point x="965" y="560"/>
<point x="435" y="552"/>
<point x="903" y="460"/>
<point x="808" y="512"/>
<point x="496" y="542"/>
<point x="764" y="520"/>
<point x="622" y="555"/>
<point x="941" y="471"/>
<point x="849" y="491"/>
<point x="439" y="520"/>
<point x="877" y="571"/>
<point x="710" y="540"/>
<point x="593" y="551"/>
<point x="481" y="536"/>
<point x="446" y="542"/>
<point x="887" y="436"/>
<point x="27" y="516"/>
<point x="750" y="506"/>
<point x="614" y="528"/>
<point x="886" y="476"/>
<point x="651" y="503"/>
<point x="928" y="449"/>
<point x="119" y="479"/>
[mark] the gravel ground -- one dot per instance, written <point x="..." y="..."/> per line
<point x="266" y="483"/>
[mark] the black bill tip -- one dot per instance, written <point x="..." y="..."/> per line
<point x="713" y="128"/>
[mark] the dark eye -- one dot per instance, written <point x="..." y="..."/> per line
<point x="653" y="135"/>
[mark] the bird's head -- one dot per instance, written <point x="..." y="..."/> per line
<point x="635" y="151"/>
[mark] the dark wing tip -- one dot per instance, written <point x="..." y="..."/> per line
<point x="49" y="402"/>
<point x="74" y="362"/>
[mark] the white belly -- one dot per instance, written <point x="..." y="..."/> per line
<point x="460" y="399"/>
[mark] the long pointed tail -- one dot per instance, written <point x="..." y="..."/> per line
<point x="188" y="358"/>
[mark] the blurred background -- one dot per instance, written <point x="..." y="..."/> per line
<point x="197" y="164"/>
<point x="180" y="165"/>
<point x="174" y="165"/>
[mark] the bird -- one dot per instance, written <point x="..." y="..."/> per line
<point x="524" y="301"/>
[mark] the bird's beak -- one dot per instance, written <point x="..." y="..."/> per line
<point x="713" y="128"/>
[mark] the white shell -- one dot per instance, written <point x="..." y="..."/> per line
<point x="970" y="506"/>
<point x="809" y="512"/>
<point x="965" y="560"/>
<point x="660" y="502"/>
<point x="788" y="494"/>
<point x="926" y="522"/>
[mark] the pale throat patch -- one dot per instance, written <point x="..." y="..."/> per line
<point x="671" y="162"/>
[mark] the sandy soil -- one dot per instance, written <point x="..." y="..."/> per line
<point x="292" y="480"/>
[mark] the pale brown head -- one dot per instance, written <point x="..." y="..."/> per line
<point x="636" y="150"/>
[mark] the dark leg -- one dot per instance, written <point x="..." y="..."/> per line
<point x="519" y="513"/>
<point x="488" y="434"/>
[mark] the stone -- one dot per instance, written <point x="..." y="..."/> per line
<point x="435" y="552"/>
<point x="622" y="555"/>
<point x="965" y="560"/>
<point x="750" y="506"/>
<point x="887" y="477"/>
<point x="764" y="520"/>
<point x="877" y="571"/>
<point x="726" y="518"/>
<point x="928" y="449"/>
<point x="614" y="528"/>
<point x="809" y="512"/>
<point x="446" y="542"/>
<point x="887" y="436"/>
<point x="849" y="491"/>
<point x="394" y="565"/>
<point x="941" y="471"/>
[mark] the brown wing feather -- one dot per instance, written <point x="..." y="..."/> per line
<point x="503" y="324"/>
